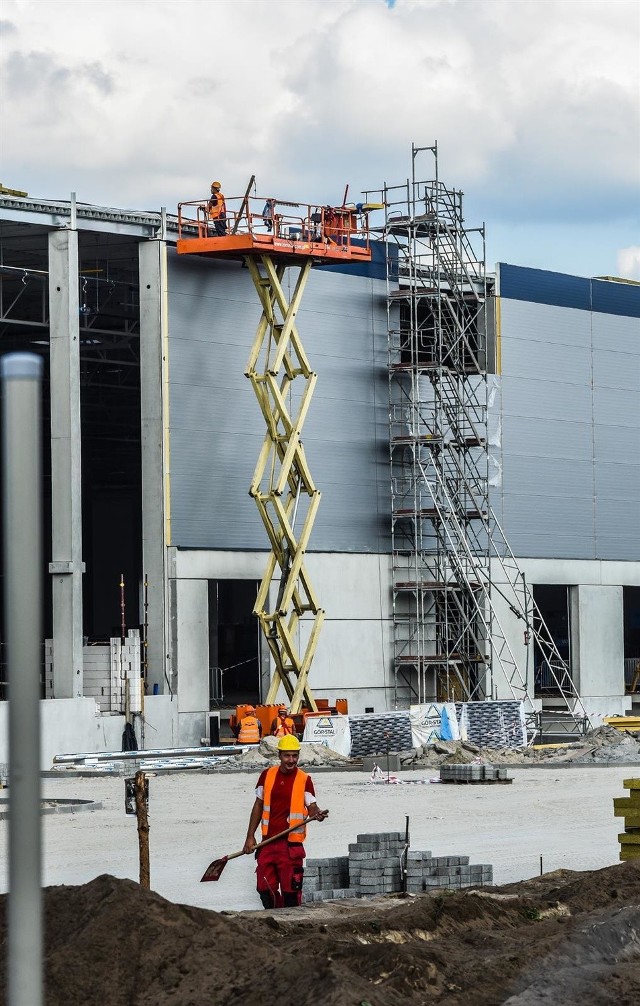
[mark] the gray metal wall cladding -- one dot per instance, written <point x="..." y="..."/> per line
<point x="570" y="449"/>
<point x="216" y="427"/>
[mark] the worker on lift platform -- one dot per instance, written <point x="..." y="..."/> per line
<point x="217" y="210"/>
<point x="268" y="212"/>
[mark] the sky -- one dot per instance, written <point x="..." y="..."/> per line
<point x="534" y="105"/>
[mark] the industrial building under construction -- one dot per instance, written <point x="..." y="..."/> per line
<point x="325" y="453"/>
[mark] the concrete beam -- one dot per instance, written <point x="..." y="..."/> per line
<point x="66" y="567"/>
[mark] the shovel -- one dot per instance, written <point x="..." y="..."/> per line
<point x="214" y="869"/>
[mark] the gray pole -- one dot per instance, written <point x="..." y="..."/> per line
<point x="21" y="375"/>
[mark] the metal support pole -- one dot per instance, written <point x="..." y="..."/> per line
<point x="21" y="375"/>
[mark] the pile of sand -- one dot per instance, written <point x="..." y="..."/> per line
<point x="266" y="753"/>
<point x="566" y="937"/>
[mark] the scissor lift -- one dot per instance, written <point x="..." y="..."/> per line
<point x="293" y="235"/>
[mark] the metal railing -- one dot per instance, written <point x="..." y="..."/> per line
<point x="267" y="221"/>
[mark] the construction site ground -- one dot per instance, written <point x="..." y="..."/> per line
<point x="569" y="936"/>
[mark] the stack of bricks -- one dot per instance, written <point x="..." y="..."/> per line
<point x="328" y="877"/>
<point x="629" y="808"/>
<point x="493" y="724"/>
<point x="374" y="863"/>
<point x="374" y="867"/>
<point x="426" y="872"/>
<point x="473" y="773"/>
<point x="377" y="733"/>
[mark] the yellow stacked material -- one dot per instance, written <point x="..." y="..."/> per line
<point x="629" y="808"/>
<point x="631" y="723"/>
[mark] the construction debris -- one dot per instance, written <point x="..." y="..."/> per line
<point x="266" y="753"/>
<point x="604" y="745"/>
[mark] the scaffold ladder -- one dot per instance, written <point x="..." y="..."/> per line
<point x="453" y="570"/>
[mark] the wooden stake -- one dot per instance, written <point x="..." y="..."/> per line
<point x="143" y="829"/>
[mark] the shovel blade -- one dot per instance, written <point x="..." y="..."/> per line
<point x="214" y="869"/>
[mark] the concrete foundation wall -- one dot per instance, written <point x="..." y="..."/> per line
<point x="353" y="656"/>
<point x="74" y="726"/>
<point x="354" y="649"/>
<point x="596" y="628"/>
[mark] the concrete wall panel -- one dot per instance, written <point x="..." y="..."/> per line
<point x="599" y="646"/>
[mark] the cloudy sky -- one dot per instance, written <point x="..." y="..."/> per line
<point x="534" y="105"/>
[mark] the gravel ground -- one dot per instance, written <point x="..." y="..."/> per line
<point x="563" y="814"/>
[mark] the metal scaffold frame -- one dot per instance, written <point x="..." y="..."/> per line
<point x="449" y="641"/>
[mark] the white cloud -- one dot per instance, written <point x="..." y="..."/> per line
<point x="629" y="262"/>
<point x="534" y="106"/>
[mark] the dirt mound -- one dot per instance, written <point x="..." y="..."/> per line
<point x="564" y="937"/>
<point x="266" y="753"/>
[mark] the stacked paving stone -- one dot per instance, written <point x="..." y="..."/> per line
<point x="426" y="872"/>
<point x="489" y="724"/>
<point x="473" y="773"/>
<point x="375" y="733"/>
<point x="373" y="867"/>
<point x="493" y="724"/>
<point x="374" y="863"/>
<point x="326" y="875"/>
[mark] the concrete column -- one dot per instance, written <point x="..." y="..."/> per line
<point x="155" y="454"/>
<point x="191" y="633"/>
<point x="66" y="566"/>
<point x="598" y="646"/>
<point x="192" y="640"/>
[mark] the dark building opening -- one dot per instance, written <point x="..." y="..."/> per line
<point x="109" y="409"/>
<point x="631" y="616"/>
<point x="234" y="643"/>
<point x="553" y="602"/>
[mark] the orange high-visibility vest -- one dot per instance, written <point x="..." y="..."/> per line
<point x="297" y="809"/>
<point x="217" y="206"/>
<point x="284" y="727"/>
<point x="249" y="732"/>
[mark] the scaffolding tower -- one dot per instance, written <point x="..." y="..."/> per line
<point x="448" y="609"/>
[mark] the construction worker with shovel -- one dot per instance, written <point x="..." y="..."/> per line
<point x="284" y="796"/>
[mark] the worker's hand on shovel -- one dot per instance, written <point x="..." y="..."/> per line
<point x="249" y="845"/>
<point x="315" y="814"/>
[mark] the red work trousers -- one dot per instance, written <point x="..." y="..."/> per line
<point x="279" y="872"/>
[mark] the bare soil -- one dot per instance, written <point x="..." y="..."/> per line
<point x="565" y="937"/>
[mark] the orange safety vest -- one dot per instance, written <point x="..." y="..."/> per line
<point x="284" y="727"/>
<point x="249" y="732"/>
<point x="216" y="206"/>
<point x="297" y="809"/>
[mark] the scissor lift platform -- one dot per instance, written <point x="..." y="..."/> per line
<point x="292" y="231"/>
<point x="271" y="237"/>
